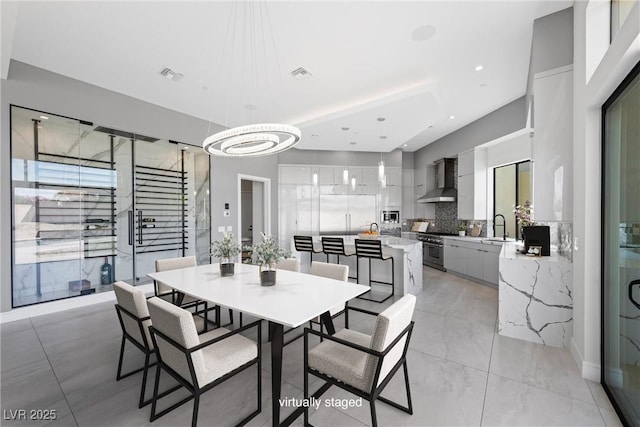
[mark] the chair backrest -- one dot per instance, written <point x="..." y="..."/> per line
<point x="389" y="325"/>
<point x="331" y="271"/>
<point x="303" y="243"/>
<point x="133" y="301"/>
<point x="173" y="264"/>
<point x="333" y="245"/>
<point x="177" y="324"/>
<point x="291" y="264"/>
<point x="368" y="248"/>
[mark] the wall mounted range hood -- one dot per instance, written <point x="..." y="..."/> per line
<point x="445" y="183"/>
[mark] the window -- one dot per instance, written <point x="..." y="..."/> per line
<point x="620" y="9"/>
<point x="511" y="186"/>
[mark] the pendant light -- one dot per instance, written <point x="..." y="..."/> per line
<point x="253" y="139"/>
<point x="314" y="176"/>
<point x="345" y="171"/>
<point x="381" y="176"/>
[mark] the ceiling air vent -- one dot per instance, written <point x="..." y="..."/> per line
<point x="301" y="73"/>
<point x="169" y="74"/>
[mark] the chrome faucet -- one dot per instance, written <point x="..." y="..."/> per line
<point x="504" y="226"/>
<point x="371" y="227"/>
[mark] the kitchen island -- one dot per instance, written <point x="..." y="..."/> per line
<point x="535" y="297"/>
<point x="407" y="258"/>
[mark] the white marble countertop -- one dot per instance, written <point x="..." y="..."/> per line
<point x="485" y="240"/>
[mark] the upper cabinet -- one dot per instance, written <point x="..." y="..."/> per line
<point x="295" y="175"/>
<point x="553" y="145"/>
<point x="408" y="199"/>
<point x="472" y="184"/>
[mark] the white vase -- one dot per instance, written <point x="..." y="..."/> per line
<point x="462" y="233"/>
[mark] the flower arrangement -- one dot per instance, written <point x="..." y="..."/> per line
<point x="268" y="253"/>
<point x="225" y="249"/>
<point x="462" y="225"/>
<point x="524" y="214"/>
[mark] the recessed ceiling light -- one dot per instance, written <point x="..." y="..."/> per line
<point x="423" y="33"/>
<point x="345" y="128"/>
<point x="169" y="74"/>
<point x="381" y="119"/>
<point x="452" y="117"/>
<point x="44" y="117"/>
<point x="352" y="143"/>
<point x="301" y="73"/>
<point x="483" y="85"/>
<point x="479" y="67"/>
<point x="383" y="137"/>
<point x="404" y="145"/>
<point x="430" y="126"/>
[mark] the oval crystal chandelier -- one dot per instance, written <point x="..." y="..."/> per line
<point x="254" y="139"/>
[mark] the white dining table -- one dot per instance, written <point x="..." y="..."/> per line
<point x="295" y="299"/>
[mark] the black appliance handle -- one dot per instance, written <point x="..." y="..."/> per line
<point x="139" y="227"/>
<point x="130" y="227"/>
<point x="631" y="285"/>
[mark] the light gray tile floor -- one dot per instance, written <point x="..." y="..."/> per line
<point x="461" y="372"/>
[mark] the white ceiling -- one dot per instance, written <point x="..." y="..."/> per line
<point x="364" y="61"/>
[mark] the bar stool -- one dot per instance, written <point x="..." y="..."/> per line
<point x="335" y="246"/>
<point x="372" y="249"/>
<point x="305" y="244"/>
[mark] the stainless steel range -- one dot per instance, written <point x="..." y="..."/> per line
<point x="433" y="249"/>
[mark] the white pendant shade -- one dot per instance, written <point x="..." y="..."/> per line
<point x="345" y="176"/>
<point x="381" y="170"/>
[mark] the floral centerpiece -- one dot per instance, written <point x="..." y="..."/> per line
<point x="226" y="249"/>
<point x="267" y="254"/>
<point x="524" y="216"/>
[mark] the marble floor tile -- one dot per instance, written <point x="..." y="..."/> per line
<point x="610" y="418"/>
<point x="32" y="386"/>
<point x="18" y="325"/>
<point x="20" y="348"/>
<point x="599" y="395"/>
<point x="546" y="367"/>
<point x="511" y="403"/>
<point x="461" y="341"/>
<point x="68" y="361"/>
<point x="443" y="394"/>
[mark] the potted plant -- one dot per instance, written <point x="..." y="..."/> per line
<point x="226" y="249"/>
<point x="462" y="228"/>
<point x="524" y="216"/>
<point x="267" y="254"/>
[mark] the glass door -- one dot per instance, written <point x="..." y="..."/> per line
<point x="621" y="249"/>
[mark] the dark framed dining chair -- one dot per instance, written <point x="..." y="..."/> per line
<point x="363" y="364"/>
<point x="199" y="363"/>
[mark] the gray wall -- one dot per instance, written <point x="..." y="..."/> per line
<point x="501" y="122"/>
<point x="408" y="160"/>
<point x="552" y="44"/>
<point x="352" y="158"/>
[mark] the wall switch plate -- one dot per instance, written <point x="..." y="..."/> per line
<point x="229" y="228"/>
<point x="221" y="229"/>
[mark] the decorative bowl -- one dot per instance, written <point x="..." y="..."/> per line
<point x="368" y="236"/>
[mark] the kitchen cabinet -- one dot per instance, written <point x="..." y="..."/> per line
<point x="408" y="200"/>
<point x="472" y="184"/>
<point x="394" y="177"/>
<point x="552" y="146"/>
<point x="295" y="174"/>
<point x="472" y="259"/>
<point x="424" y="180"/>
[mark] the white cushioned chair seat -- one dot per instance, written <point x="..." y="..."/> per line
<point x="341" y="362"/>
<point x="210" y="363"/>
<point x="174" y="264"/>
<point x="330" y="271"/>
<point x="225" y="356"/>
<point x="290" y="264"/>
<point x="134" y="301"/>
